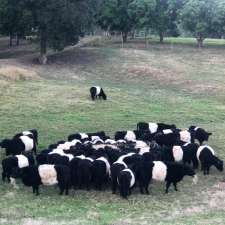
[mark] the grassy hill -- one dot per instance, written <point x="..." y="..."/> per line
<point x="174" y="84"/>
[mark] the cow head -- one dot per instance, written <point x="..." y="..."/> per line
<point x="5" y="143"/>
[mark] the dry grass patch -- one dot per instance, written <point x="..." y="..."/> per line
<point x="16" y="73"/>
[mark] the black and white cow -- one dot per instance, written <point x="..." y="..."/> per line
<point x="74" y="169"/>
<point x="12" y="164"/>
<point x="185" y="136"/>
<point x="189" y="154"/>
<point x="97" y="92"/>
<point x="170" y="172"/>
<point x="57" y="159"/>
<point x="31" y="133"/>
<point x="206" y="155"/>
<point x="18" y="145"/>
<point x="85" y="172"/>
<point x="78" y="136"/>
<point x="185" y="153"/>
<point x="199" y="134"/>
<point x="125" y="135"/>
<point x="100" y="134"/>
<point x="154" y="127"/>
<point x="143" y="171"/>
<point x="101" y="171"/>
<point x="34" y="176"/>
<point x="168" y="139"/>
<point x="126" y="180"/>
<point x="110" y="141"/>
<point x="118" y="166"/>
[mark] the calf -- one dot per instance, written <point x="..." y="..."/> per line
<point x="34" y="176"/>
<point x="206" y="155"/>
<point x="97" y="92"/>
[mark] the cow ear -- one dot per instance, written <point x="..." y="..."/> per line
<point x="209" y="134"/>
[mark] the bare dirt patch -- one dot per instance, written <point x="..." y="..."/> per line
<point x="213" y="200"/>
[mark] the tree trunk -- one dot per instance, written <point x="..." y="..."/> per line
<point x="121" y="40"/>
<point x="17" y="40"/>
<point x="43" y="47"/>
<point x="200" y="41"/>
<point x="146" y="38"/>
<point x="10" y="40"/>
<point x="132" y="34"/>
<point x="161" y="37"/>
<point x="124" y="36"/>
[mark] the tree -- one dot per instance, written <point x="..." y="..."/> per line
<point x="15" y="19"/>
<point x="122" y="15"/>
<point x="164" y="19"/>
<point x="122" y="20"/>
<point x="218" y="30"/>
<point x="202" y="18"/>
<point x="142" y="12"/>
<point x="59" y="23"/>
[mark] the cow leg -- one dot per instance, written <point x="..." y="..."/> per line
<point x="36" y="189"/>
<point x="146" y="189"/>
<point x="3" y="176"/>
<point x="61" y="190"/>
<point x="141" y="187"/>
<point x="167" y="186"/>
<point x="8" y="177"/>
<point x="175" y="186"/>
<point x="195" y="163"/>
<point x="114" y="186"/>
<point x="129" y="191"/>
<point x="207" y="170"/>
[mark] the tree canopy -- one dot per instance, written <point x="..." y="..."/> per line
<point x="60" y="23"/>
<point x="15" y="19"/>
<point x="202" y="18"/>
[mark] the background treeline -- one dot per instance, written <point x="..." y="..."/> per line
<point x="56" y="24"/>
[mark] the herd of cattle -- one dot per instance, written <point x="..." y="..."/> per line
<point x="155" y="151"/>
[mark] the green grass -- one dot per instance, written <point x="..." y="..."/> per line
<point x="192" y="41"/>
<point x="181" y="85"/>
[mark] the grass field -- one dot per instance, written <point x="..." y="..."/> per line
<point x="179" y="84"/>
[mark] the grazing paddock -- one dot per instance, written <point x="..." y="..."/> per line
<point x="179" y="85"/>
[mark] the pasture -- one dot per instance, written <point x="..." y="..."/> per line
<point x="177" y="83"/>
